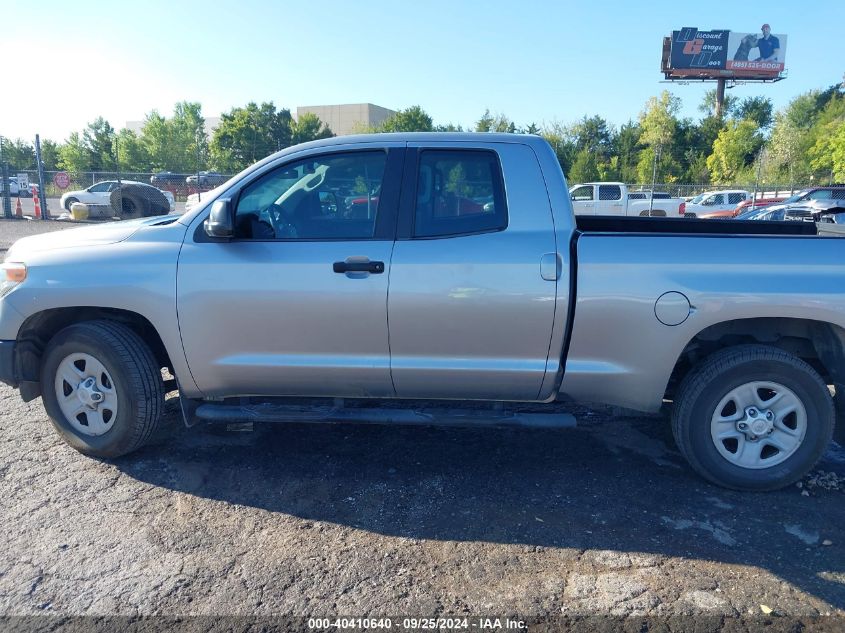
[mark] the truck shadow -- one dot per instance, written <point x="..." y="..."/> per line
<point x="607" y="485"/>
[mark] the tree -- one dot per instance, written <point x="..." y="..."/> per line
<point x="188" y="135"/>
<point x="98" y="139"/>
<point x="309" y="127"/>
<point x="559" y="137"/>
<point x="74" y="156"/>
<point x="132" y="155"/>
<point x="734" y="150"/>
<point x="757" y="109"/>
<point x="247" y="134"/>
<point x="18" y="154"/>
<point x="627" y="143"/>
<point x="532" y="128"/>
<point x="708" y="104"/>
<point x="658" y="124"/>
<point x="413" y="119"/>
<point x="585" y="168"/>
<point x="494" y="123"/>
<point x="50" y="155"/>
<point x="448" y="127"/>
<point x="827" y="153"/>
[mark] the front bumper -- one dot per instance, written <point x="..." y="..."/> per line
<point x="7" y="363"/>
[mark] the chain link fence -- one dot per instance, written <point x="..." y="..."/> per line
<point x="180" y="185"/>
<point x="687" y="190"/>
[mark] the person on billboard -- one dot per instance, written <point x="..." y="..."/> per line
<point x="768" y="45"/>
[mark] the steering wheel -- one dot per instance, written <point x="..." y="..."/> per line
<point x="281" y="226"/>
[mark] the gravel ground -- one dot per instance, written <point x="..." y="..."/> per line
<point x="327" y="520"/>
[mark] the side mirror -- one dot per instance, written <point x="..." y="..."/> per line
<point x="220" y="222"/>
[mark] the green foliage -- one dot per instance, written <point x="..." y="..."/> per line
<point x="585" y="168"/>
<point x="658" y="121"/>
<point x="247" y="134"/>
<point x="708" y="104"/>
<point x="309" y="127"/>
<point x="734" y="151"/>
<point x="74" y="156"/>
<point x="448" y="127"/>
<point x="98" y="137"/>
<point x="494" y="123"/>
<point x="413" y="119"/>
<point x="804" y="140"/>
<point x="18" y="154"/>
<point x="49" y="155"/>
<point x="627" y="148"/>
<point x="757" y="109"/>
<point x="557" y="135"/>
<point x="132" y="155"/>
<point x="827" y="154"/>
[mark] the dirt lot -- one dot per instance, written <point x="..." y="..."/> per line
<point x="329" y="520"/>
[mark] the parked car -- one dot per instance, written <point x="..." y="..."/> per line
<point x="167" y="180"/>
<point x="817" y="198"/>
<point x="206" y="179"/>
<point x="766" y="213"/>
<point x="715" y="204"/>
<point x="271" y="290"/>
<point x="759" y="203"/>
<point x="100" y="194"/>
<point x="614" y="198"/>
<point x="16" y="190"/>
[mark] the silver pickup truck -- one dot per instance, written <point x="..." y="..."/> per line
<point x="439" y="267"/>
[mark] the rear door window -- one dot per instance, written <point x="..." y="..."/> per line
<point x="610" y="192"/>
<point x="459" y="192"/>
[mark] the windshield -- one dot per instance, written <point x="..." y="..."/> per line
<point x="794" y="198"/>
<point x="698" y="198"/>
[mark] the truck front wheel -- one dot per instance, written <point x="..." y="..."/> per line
<point x="101" y="388"/>
<point x="753" y="417"/>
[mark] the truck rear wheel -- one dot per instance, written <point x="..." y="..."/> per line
<point x="753" y="417"/>
<point x="101" y="388"/>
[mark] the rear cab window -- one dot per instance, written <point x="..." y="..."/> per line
<point x="459" y="192"/>
<point x="610" y="192"/>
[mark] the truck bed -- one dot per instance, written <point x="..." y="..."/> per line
<point x="616" y="224"/>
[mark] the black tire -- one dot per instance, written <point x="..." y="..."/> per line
<point x="137" y="382"/>
<point x="704" y="387"/>
<point x="69" y="202"/>
<point x="839" y="405"/>
<point x="130" y="209"/>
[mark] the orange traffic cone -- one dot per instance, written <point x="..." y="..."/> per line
<point x="37" y="207"/>
<point x="19" y="209"/>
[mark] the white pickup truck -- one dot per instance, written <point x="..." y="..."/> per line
<point x="614" y="198"/>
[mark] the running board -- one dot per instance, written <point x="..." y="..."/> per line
<point x="429" y="416"/>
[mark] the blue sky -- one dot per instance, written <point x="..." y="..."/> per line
<point x="533" y="61"/>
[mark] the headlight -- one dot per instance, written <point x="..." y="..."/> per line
<point x="13" y="274"/>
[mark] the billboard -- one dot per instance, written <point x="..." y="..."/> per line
<point x="724" y="54"/>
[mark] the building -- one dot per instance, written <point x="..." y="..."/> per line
<point x="349" y="118"/>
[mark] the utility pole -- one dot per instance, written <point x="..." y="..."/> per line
<point x="42" y="196"/>
<point x="654" y="179"/>
<point x="757" y="180"/>
<point x="720" y="97"/>
<point x="4" y="175"/>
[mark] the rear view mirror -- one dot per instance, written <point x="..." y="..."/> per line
<point x="220" y="222"/>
